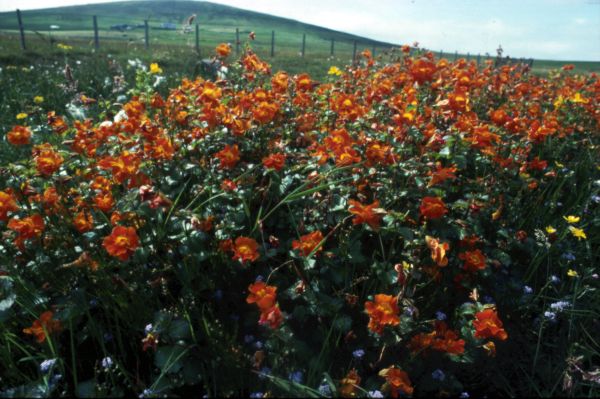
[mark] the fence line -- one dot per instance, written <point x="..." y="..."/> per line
<point x="498" y="60"/>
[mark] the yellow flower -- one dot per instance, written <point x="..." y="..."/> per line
<point x="579" y="233"/>
<point x="21" y="115"/>
<point x="571" y="219"/>
<point x="334" y="71"/>
<point x="154" y="68"/>
<point x="578" y="99"/>
<point x="38" y="99"/>
<point x="406" y="266"/>
<point x="559" y="101"/>
<point x="550" y="230"/>
<point x="65" y="47"/>
<point x="572" y="273"/>
<point x="558" y="164"/>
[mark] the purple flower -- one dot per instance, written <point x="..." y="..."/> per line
<point x="256" y="395"/>
<point x="440" y="315"/>
<point x="464" y="395"/>
<point x="324" y="389"/>
<point x="527" y="289"/>
<point x="375" y="394"/>
<point x="568" y="256"/>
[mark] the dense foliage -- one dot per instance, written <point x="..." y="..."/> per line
<point x="416" y="228"/>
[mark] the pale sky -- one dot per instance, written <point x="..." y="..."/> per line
<point x="543" y="29"/>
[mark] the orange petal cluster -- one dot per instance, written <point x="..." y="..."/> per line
<point x="383" y="311"/>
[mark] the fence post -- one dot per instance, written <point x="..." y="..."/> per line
<point x="468" y="56"/>
<point x="146" y="39"/>
<point x="237" y="41"/>
<point x="332" y="43"/>
<point x="354" y="53"/>
<point x="478" y="58"/>
<point x="303" y="44"/>
<point x="531" y="63"/>
<point x="373" y="52"/>
<point x="272" y="43"/>
<point x="21" y="30"/>
<point x="96" y="39"/>
<point x="455" y="55"/>
<point x="197" y="39"/>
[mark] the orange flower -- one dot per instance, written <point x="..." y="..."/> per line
<point x="121" y="243"/>
<point x="47" y="160"/>
<point x="19" y="135"/>
<point x="7" y="204"/>
<point x="223" y="50"/>
<point x="228" y="156"/>
<point x="474" y="260"/>
<point x="308" y="243"/>
<point x="271" y="317"/>
<point x="441" y="174"/>
<point x="397" y="381"/>
<point x="262" y="294"/>
<point x="433" y="208"/>
<point x="83" y="222"/>
<point x="488" y="325"/>
<point x="245" y="249"/>
<point x="349" y="383"/>
<point x="264" y="112"/>
<point x="438" y="251"/>
<point x="29" y="227"/>
<point x="43" y="326"/>
<point x="274" y="161"/>
<point x="57" y="123"/>
<point x="383" y="311"/>
<point x="123" y="167"/>
<point x="369" y="214"/>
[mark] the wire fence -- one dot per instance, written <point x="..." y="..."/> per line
<point x="135" y="34"/>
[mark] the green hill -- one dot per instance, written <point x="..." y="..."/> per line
<point x="216" y="21"/>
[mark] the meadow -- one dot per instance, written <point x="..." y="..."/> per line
<point x="406" y="225"/>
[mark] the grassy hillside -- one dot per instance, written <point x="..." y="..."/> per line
<point x="217" y="24"/>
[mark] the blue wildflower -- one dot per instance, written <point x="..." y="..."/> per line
<point x="527" y="289"/>
<point x="256" y="395"/>
<point x="324" y="389"/>
<point x="550" y="315"/>
<point x="568" y="256"/>
<point x="554" y="279"/>
<point x="248" y="338"/>
<point x="464" y="395"/>
<point x="440" y="315"/>
<point x="438" y="375"/>
<point x="46" y="365"/>
<point x="559" y="306"/>
<point x="375" y="394"/>
<point x="258" y="345"/>
<point x="107" y="362"/>
<point x="148" y="329"/>
<point x="359" y="353"/>
<point x="264" y="372"/>
<point x="296" y="377"/>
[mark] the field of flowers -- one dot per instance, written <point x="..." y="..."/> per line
<point x="409" y="228"/>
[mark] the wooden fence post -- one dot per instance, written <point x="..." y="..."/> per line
<point x="272" y="43"/>
<point x="455" y="55"/>
<point x="468" y="56"/>
<point x="237" y="41"/>
<point x="354" y="53"/>
<point x="197" y="39"/>
<point x="478" y="58"/>
<point x="146" y="36"/>
<point x="303" y="44"/>
<point x="373" y="52"/>
<point x="332" y="44"/>
<point x="96" y="39"/>
<point x="21" y="30"/>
